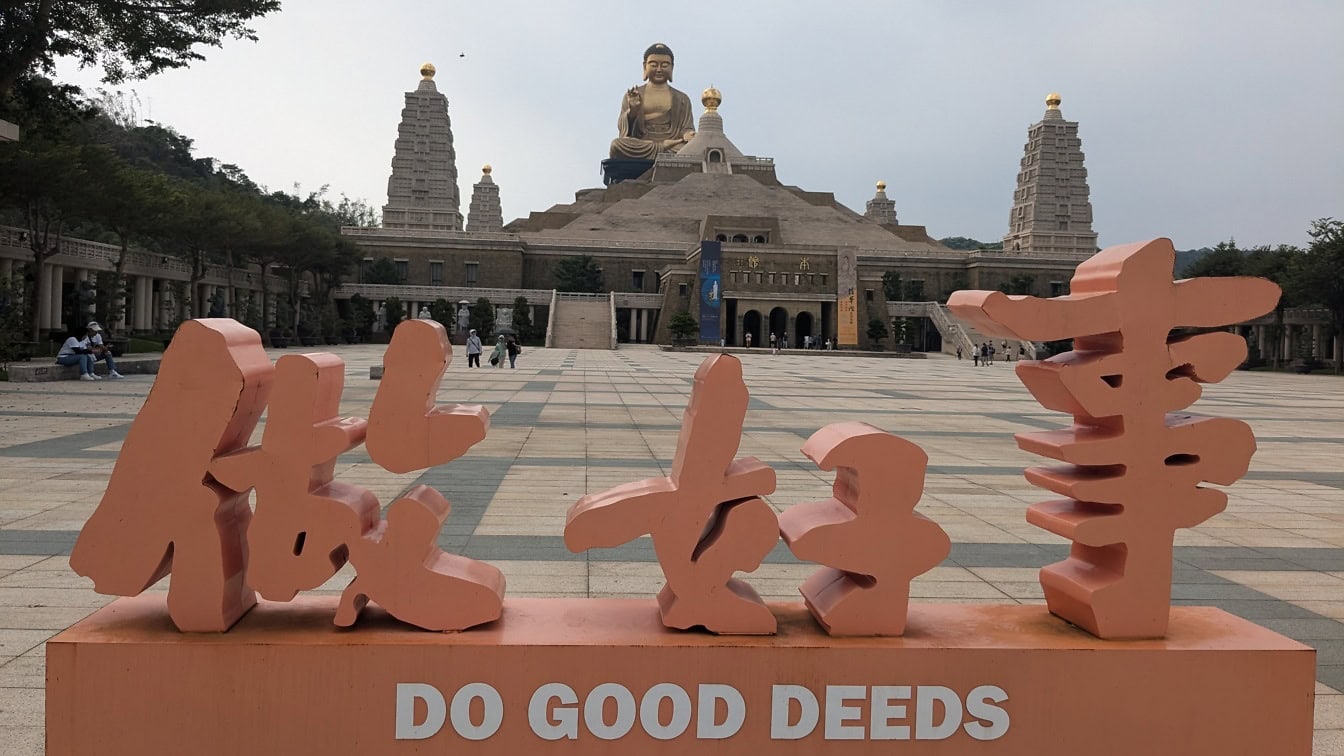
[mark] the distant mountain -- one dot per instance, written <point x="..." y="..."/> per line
<point x="962" y="242"/>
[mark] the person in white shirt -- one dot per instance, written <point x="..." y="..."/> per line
<point x="83" y="352"/>
<point x="101" y="352"/>
<point x="473" y="350"/>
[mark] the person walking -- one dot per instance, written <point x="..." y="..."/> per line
<point x="473" y="349"/>
<point x="1007" y="355"/>
<point x="991" y="353"/>
<point x="512" y="347"/>
<point x="958" y="351"/>
<point x="975" y="357"/>
<point x="497" y="356"/>
<point x="748" y="340"/>
<point x="774" y="344"/>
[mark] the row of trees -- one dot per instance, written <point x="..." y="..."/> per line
<point x="90" y="169"/>
<point x="1311" y="277"/>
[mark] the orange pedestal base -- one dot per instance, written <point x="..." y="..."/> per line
<point x="604" y="676"/>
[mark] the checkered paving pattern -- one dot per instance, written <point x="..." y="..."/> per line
<point x="570" y="422"/>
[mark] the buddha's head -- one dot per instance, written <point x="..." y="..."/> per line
<point x="658" y="63"/>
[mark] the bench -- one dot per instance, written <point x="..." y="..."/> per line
<point x="46" y="369"/>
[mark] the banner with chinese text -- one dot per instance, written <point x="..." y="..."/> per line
<point x="711" y="291"/>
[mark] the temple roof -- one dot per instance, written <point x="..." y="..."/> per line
<point x="678" y="211"/>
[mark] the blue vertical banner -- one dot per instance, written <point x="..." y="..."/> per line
<point x="711" y="292"/>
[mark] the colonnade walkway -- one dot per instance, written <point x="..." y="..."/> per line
<point x="568" y="422"/>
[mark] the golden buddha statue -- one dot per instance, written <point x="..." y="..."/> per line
<point x="654" y="116"/>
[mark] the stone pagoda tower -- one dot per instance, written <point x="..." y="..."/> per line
<point x="1051" y="210"/>
<point x="880" y="208"/>
<point x="422" y="191"/>
<point x="485" y="213"/>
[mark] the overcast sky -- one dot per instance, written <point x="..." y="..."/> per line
<point x="1199" y="120"/>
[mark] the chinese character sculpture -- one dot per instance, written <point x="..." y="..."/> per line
<point x="185" y="490"/>
<point x="867" y="532"/>
<point x="1132" y="468"/>
<point x="162" y="512"/>
<point x="707" y="518"/>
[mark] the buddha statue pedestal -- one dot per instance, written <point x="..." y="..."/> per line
<point x="616" y="170"/>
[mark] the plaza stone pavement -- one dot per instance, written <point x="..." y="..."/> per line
<point x="570" y="422"/>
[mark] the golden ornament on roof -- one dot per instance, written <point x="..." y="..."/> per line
<point x="1052" y="101"/>
<point x="427" y="70"/>
<point x="486" y="169"/>
<point x="881" y="186"/>
<point x="711" y="98"/>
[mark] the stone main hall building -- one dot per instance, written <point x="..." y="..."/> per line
<point x="792" y="261"/>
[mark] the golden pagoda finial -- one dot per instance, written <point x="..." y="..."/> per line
<point x="486" y="169"/>
<point x="711" y="98"/>
<point x="1052" y="101"/>
<point x="881" y="186"/>
<point x="427" y="70"/>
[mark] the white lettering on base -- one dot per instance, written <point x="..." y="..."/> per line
<point x="837" y="713"/>
<point x="625" y="711"/>
<point x="925" y="729"/>
<point x="884" y="710"/>
<point x="460" y="712"/>
<point x="566" y="720"/>
<point x="653" y="701"/>
<point x="780" y="698"/>
<point x="709" y="696"/>
<point x="435" y="711"/>
<point x="978" y="705"/>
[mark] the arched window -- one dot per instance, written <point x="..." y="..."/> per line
<point x="715" y="156"/>
<point x="760" y="239"/>
<point x="721" y="237"/>
<point x="739" y="237"/>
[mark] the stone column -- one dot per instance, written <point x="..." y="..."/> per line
<point x="44" y="298"/>
<point x="631" y="327"/>
<point x="144" y="292"/>
<point x="6" y="268"/>
<point x="643" y="326"/>
<point x="1317" y="342"/>
<point x="81" y="278"/>
<point x="57" y="282"/>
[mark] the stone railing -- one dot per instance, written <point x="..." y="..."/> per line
<point x="103" y="257"/>
<point x="638" y="301"/>
<point x="612" y="299"/>
<point x="408" y="292"/>
<point x="429" y="233"/>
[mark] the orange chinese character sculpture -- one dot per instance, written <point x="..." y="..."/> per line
<point x="178" y="498"/>
<point x="706" y="518"/>
<point x="867" y="533"/>
<point x="1133" y="470"/>
<point x="162" y="512"/>
<point x="304" y="521"/>
<point x="307" y="525"/>
<point x="407" y="431"/>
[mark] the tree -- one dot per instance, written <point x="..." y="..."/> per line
<point x="877" y="331"/>
<point x="579" y="274"/>
<point x="393" y="312"/>
<point x="1318" y="277"/>
<point x="892" y="288"/>
<point x="46" y="181"/>
<point x="445" y="313"/>
<point x="482" y="317"/>
<point x="1224" y="260"/>
<point x="129" y="39"/>
<point x="1020" y="283"/>
<point x="382" y="271"/>
<point x="522" y="319"/>
<point x="683" y="327"/>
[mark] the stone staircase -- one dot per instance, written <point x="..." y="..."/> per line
<point x="581" y="321"/>
<point x="956" y="332"/>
